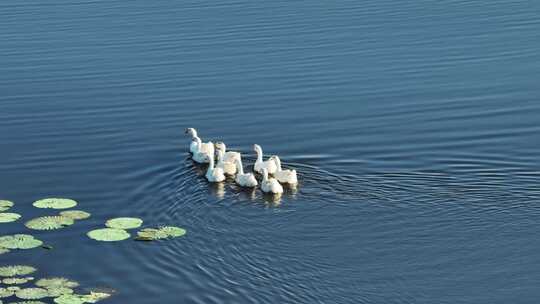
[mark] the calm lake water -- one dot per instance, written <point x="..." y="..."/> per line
<point x="414" y="127"/>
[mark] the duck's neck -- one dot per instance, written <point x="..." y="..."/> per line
<point x="278" y="162"/>
<point x="239" y="166"/>
<point x="193" y="133"/>
<point x="259" y="155"/>
<point x="197" y="140"/>
<point x="265" y="176"/>
<point x="220" y="156"/>
<point x="211" y="162"/>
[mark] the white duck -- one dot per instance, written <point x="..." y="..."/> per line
<point x="229" y="155"/>
<point x="284" y="176"/>
<point x="270" y="185"/>
<point x="244" y="179"/>
<point x="269" y="165"/>
<point x="194" y="146"/>
<point x="228" y="166"/>
<point x="199" y="149"/>
<point x="203" y="156"/>
<point x="214" y="174"/>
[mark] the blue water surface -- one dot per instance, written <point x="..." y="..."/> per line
<point x="413" y="125"/>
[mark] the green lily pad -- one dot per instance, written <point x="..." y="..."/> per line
<point x="16" y="281"/>
<point x="5" y="205"/>
<point x="3" y="250"/>
<point x="49" y="222"/>
<point x="13" y="288"/>
<point x="92" y="297"/>
<point x="16" y="270"/>
<point x="70" y="299"/>
<point x="172" y="231"/>
<point x="75" y="214"/>
<point x="19" y="241"/>
<point x="6" y="293"/>
<point x="56" y="282"/>
<point x="29" y="302"/>
<point x="7" y="217"/>
<point x="55" y="203"/>
<point x="124" y="223"/>
<point x="59" y="291"/>
<point x="32" y="293"/>
<point x="96" y="296"/>
<point x="150" y="234"/>
<point x="108" y="234"/>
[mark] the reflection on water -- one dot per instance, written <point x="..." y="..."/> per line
<point x="217" y="190"/>
<point x="272" y="199"/>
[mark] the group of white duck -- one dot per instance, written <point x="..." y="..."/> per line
<point x="230" y="163"/>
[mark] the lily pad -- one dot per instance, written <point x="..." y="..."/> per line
<point x="19" y="241"/>
<point x="70" y="299"/>
<point x="16" y="281"/>
<point x="5" y="205"/>
<point x="173" y="231"/>
<point x="6" y="293"/>
<point x="75" y="214"/>
<point x="55" y="203"/>
<point x="59" y="291"/>
<point x="16" y="270"/>
<point x="49" y="222"/>
<point x="32" y="293"/>
<point x="150" y="234"/>
<point x="3" y="250"/>
<point x="108" y="234"/>
<point x="7" y="217"/>
<point x="56" y="282"/>
<point x="29" y="302"/>
<point x="124" y="223"/>
<point x="96" y="296"/>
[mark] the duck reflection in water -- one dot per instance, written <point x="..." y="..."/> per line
<point x="200" y="169"/>
<point x="217" y="190"/>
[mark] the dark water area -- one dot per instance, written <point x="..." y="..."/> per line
<point x="414" y="127"/>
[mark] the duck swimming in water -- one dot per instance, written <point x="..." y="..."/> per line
<point x="200" y="150"/>
<point x="269" y="165"/>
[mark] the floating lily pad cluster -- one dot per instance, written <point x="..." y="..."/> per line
<point x="64" y="219"/>
<point x="117" y="231"/>
<point x="15" y="285"/>
<point x="25" y="241"/>
<point x="15" y="280"/>
<point x="7" y="217"/>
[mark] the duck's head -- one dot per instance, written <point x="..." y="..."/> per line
<point x="276" y="159"/>
<point x="264" y="173"/>
<point x="219" y="153"/>
<point x="220" y="146"/>
<point x="257" y="148"/>
<point x="191" y="131"/>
